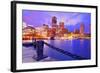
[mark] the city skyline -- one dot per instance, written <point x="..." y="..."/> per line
<point x="72" y="20"/>
<point x="68" y="33"/>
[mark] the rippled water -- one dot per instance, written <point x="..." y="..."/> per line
<point x="80" y="47"/>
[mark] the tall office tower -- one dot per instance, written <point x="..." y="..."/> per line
<point x="61" y="25"/>
<point x="54" y="21"/>
<point x="82" y="29"/>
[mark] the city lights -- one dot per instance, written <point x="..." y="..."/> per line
<point x="56" y="31"/>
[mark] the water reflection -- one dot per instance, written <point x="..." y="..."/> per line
<point x="80" y="47"/>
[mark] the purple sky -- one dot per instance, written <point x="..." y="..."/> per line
<point x="72" y="20"/>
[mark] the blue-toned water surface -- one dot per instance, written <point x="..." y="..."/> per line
<point x="80" y="47"/>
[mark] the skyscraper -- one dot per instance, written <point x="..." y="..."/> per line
<point x="61" y="25"/>
<point x="54" y="21"/>
<point x="82" y="29"/>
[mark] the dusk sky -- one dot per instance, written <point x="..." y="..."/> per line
<point x="71" y="20"/>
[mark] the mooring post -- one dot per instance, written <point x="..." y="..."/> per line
<point x="39" y="50"/>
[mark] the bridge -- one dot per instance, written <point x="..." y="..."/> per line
<point x="39" y="45"/>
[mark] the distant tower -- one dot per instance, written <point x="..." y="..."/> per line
<point x="82" y="29"/>
<point x="54" y="21"/>
<point x="61" y="25"/>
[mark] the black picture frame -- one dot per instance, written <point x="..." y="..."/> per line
<point x="13" y="35"/>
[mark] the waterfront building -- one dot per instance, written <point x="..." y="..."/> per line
<point x="28" y="33"/>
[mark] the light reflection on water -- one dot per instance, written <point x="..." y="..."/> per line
<point x="81" y="47"/>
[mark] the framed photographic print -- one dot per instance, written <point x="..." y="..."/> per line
<point x="47" y="36"/>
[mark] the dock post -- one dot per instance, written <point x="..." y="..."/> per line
<point x="39" y="50"/>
